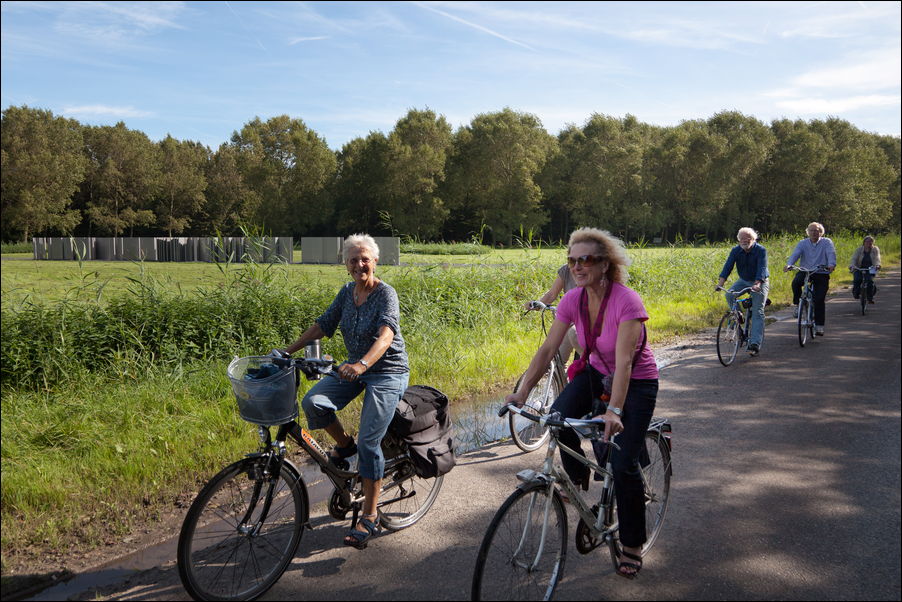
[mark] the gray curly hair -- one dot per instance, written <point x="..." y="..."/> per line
<point x="359" y="240"/>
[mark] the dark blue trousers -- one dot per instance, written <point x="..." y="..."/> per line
<point x="575" y="401"/>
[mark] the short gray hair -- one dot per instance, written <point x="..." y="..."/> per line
<point x="819" y="226"/>
<point x="359" y="240"/>
<point x="748" y="231"/>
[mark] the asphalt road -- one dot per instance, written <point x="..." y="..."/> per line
<point x="786" y="486"/>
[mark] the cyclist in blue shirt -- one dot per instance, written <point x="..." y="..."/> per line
<point x="811" y="252"/>
<point x="750" y="259"/>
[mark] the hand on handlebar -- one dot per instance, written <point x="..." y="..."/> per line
<point x="279" y="354"/>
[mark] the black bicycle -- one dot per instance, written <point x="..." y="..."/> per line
<point x="735" y="326"/>
<point x="805" y="316"/>
<point x="244" y="527"/>
<point x="867" y="287"/>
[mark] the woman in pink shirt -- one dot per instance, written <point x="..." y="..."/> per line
<point x="609" y="319"/>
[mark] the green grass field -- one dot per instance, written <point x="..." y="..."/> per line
<point x="114" y="395"/>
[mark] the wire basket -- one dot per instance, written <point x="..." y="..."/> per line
<point x="266" y="393"/>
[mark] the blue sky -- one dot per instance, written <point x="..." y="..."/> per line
<point x="201" y="70"/>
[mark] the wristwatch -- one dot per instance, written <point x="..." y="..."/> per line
<point x="616" y="411"/>
<point x="365" y="363"/>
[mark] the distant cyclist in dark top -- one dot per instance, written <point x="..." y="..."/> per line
<point x="811" y="252"/>
<point x="865" y="256"/>
<point x="750" y="260"/>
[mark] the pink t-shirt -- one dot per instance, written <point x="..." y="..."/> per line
<point x="623" y="304"/>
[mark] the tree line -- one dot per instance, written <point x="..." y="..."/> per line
<point x="500" y="178"/>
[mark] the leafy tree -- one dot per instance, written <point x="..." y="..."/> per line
<point x="785" y="190"/>
<point x="417" y="151"/>
<point x="42" y="165"/>
<point x="229" y="203"/>
<point x="492" y="174"/>
<point x="182" y="183"/>
<point x="289" y="166"/>
<point x="359" y="188"/>
<point x="122" y="180"/>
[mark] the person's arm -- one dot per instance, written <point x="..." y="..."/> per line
<point x="727" y="267"/>
<point x="761" y="273"/>
<point x="540" y="361"/>
<point x="796" y="253"/>
<point x="373" y="355"/>
<point x="831" y="256"/>
<point x="551" y="296"/>
<point x="856" y="259"/>
<point x="628" y="333"/>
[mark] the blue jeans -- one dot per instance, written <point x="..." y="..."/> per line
<point x="758" y="301"/>
<point x="575" y="401"/>
<point x="381" y="397"/>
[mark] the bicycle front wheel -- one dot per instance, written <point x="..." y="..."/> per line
<point x="803" y="321"/>
<point x="522" y="554"/>
<point x="728" y="338"/>
<point x="865" y="291"/>
<point x="528" y="435"/>
<point x="224" y="551"/>
<point x="654" y="461"/>
<point x="406" y="497"/>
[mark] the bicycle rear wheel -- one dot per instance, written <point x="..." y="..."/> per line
<point x="528" y="435"/>
<point x="515" y="562"/>
<point x="803" y="320"/>
<point x="225" y="555"/>
<point x="656" y="473"/>
<point x="728" y="338"/>
<point x="406" y="497"/>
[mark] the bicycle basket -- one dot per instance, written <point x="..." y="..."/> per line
<point x="266" y="394"/>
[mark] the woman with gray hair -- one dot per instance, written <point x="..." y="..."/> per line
<point x="368" y="313"/>
<point x="750" y="259"/>
<point x="865" y="256"/>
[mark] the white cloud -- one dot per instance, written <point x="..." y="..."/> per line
<point x="836" y="106"/>
<point x="105" y="111"/>
<point x="875" y="71"/>
<point x="294" y="41"/>
<point x="473" y="25"/>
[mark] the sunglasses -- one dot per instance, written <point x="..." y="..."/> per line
<point x="585" y="260"/>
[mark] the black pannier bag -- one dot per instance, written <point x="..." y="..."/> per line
<point x="423" y="420"/>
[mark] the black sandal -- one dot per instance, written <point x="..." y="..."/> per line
<point x="338" y="455"/>
<point x="359" y="539"/>
<point x="637" y="566"/>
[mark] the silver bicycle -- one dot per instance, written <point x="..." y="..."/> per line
<point x="523" y="552"/>
<point x="528" y="435"/>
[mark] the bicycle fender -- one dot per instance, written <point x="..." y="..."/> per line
<point x="289" y="466"/>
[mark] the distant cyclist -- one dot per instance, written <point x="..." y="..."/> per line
<point x="865" y="256"/>
<point x="562" y="282"/>
<point x="811" y="252"/>
<point x="750" y="260"/>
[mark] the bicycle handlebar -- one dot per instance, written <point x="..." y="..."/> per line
<point x="310" y="367"/>
<point x="552" y="419"/>
<point x="539" y="306"/>
<point x="801" y="269"/>
<point x="737" y="293"/>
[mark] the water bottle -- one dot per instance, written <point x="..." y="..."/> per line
<point x="312" y="350"/>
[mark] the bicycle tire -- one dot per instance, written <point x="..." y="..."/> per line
<point x="218" y="562"/>
<point x="802" y="320"/>
<point x="865" y="290"/>
<point x="512" y="539"/>
<point x="528" y="435"/>
<point x="407" y="497"/>
<point x="728" y="338"/>
<point x="656" y="474"/>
